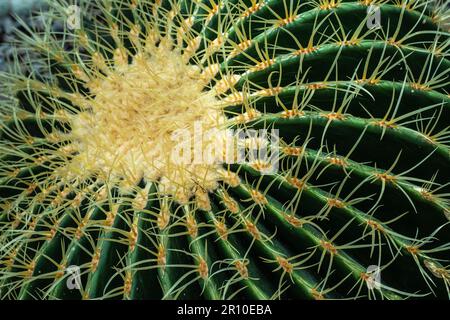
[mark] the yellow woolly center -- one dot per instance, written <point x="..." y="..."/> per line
<point x="135" y="122"/>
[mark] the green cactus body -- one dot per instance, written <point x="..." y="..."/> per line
<point x="87" y="177"/>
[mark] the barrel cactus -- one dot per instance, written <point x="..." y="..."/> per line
<point x="98" y="202"/>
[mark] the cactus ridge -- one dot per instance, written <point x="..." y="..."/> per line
<point x="364" y="152"/>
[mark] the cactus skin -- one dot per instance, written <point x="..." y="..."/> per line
<point x="364" y="169"/>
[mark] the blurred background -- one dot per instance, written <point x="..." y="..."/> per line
<point x="12" y="13"/>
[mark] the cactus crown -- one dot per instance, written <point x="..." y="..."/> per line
<point x="158" y="91"/>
